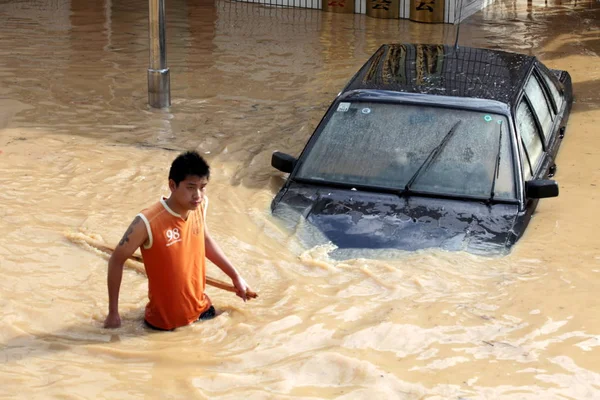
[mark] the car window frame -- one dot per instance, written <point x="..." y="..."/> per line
<point x="417" y="100"/>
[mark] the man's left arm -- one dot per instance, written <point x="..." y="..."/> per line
<point x="216" y="255"/>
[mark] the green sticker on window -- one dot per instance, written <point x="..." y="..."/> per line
<point x="487" y="118"/>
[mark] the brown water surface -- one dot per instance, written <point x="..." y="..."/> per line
<point x="81" y="151"/>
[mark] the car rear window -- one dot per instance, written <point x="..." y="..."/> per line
<point x="385" y="144"/>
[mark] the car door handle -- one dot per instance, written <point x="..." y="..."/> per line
<point x="561" y="132"/>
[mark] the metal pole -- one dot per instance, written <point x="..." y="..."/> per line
<point x="159" y="85"/>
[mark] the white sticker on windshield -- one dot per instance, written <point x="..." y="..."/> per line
<point x="343" y="107"/>
<point x="366" y="110"/>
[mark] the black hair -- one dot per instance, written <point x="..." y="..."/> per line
<point x="186" y="164"/>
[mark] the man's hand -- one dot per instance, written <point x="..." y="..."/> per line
<point x="241" y="286"/>
<point x="113" y="320"/>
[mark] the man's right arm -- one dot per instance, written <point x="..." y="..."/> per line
<point x="133" y="238"/>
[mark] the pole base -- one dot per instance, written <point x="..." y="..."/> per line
<point x="159" y="88"/>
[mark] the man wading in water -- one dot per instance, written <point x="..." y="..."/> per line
<point x="175" y="243"/>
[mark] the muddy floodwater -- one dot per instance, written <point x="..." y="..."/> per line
<point x="82" y="153"/>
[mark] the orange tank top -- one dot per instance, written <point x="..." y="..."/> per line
<point x="174" y="257"/>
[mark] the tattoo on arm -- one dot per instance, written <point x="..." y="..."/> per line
<point x="125" y="237"/>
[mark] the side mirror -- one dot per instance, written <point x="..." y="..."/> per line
<point x="540" y="188"/>
<point x="283" y="162"/>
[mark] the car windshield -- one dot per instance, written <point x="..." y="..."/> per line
<point x="421" y="148"/>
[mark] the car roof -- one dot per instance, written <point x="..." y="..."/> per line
<point x="444" y="70"/>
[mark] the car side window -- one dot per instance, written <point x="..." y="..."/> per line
<point x="530" y="137"/>
<point x="541" y="104"/>
<point x="525" y="161"/>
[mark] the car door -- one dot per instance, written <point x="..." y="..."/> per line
<point x="531" y="144"/>
<point x="555" y="93"/>
<point x="547" y="97"/>
<point x="532" y="155"/>
<point x="538" y="123"/>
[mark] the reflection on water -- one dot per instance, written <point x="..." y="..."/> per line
<point x="80" y="150"/>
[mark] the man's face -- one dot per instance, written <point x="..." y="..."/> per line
<point x="190" y="191"/>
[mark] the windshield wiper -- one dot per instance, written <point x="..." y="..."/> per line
<point x="431" y="157"/>
<point x="497" y="166"/>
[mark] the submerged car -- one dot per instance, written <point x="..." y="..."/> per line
<point x="430" y="146"/>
